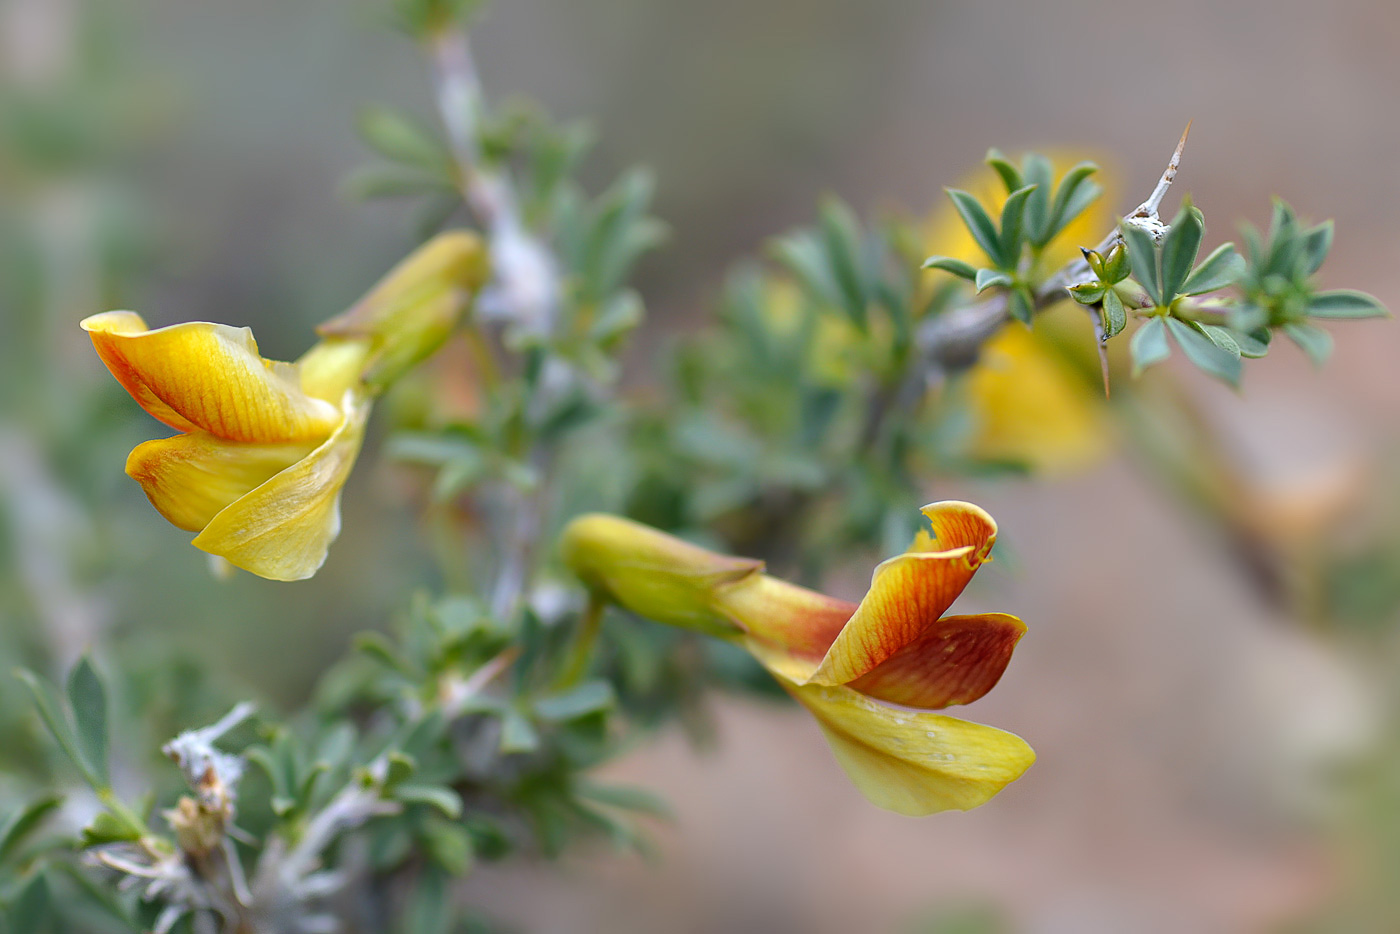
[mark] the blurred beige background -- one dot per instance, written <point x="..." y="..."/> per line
<point x="1184" y="726"/>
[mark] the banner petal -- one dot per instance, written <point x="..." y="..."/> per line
<point x="206" y="376"/>
<point x="909" y="593"/>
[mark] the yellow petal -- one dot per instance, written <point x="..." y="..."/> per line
<point x="209" y="376"/>
<point x="191" y="477"/>
<point x="282" y="529"/>
<point x="911" y="761"/>
<point x="332" y="367"/>
<point x="909" y="593"/>
<point x="1030" y="408"/>
<point x="954" y="661"/>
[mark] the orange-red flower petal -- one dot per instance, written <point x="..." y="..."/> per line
<point x="910" y="592"/>
<point x="954" y="661"/>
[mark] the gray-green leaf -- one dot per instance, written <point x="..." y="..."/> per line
<point x="1204" y="353"/>
<point x="1010" y="175"/>
<point x="1115" y="317"/>
<point x="986" y="278"/>
<point x="956" y="266"/>
<point x="51" y="712"/>
<point x="1013" y="225"/>
<point x="23" y="823"/>
<point x="1142" y="254"/>
<point x="978" y="224"/>
<point x="1312" y="340"/>
<point x="1223" y="267"/>
<point x="88" y="698"/>
<point x="1346" y="303"/>
<point x="1149" y="345"/>
<point x="1179" y="250"/>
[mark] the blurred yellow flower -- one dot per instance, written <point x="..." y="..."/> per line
<point x="264" y="447"/>
<point x="871" y="673"/>
<point x="1029" y="407"/>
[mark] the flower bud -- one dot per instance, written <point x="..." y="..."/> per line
<point x="412" y="310"/>
<point x="654" y="574"/>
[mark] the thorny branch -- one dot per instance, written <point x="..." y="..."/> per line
<point x="524" y="293"/>
<point x="953" y="340"/>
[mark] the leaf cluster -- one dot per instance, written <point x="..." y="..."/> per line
<point x="1035" y="211"/>
<point x="1278" y="291"/>
<point x="1178" y="298"/>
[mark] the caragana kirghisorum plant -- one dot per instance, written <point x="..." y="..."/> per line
<point x="568" y="519"/>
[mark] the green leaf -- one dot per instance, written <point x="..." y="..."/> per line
<point x="1013" y="217"/>
<point x="1142" y="254"/>
<point x="1115" y="265"/>
<point x="1317" y="242"/>
<point x="449" y="845"/>
<point x="107" y="828"/>
<point x="1010" y="175"/>
<point x="517" y="733"/>
<point x="627" y="797"/>
<point x="1179" y="249"/>
<point x="378" y="181"/>
<point x="88" y="698"/>
<point x="1115" y="317"/>
<point x="1021" y="305"/>
<point x="1223" y="267"/>
<point x="979" y="224"/>
<point x="842" y="236"/>
<point x="1283" y="221"/>
<point x="1312" y="340"/>
<point x="956" y="266"/>
<point x="804" y="257"/>
<point x="589" y="697"/>
<point x="1346" y="303"/>
<point x="1087" y="293"/>
<point x="438" y="796"/>
<point x="378" y="647"/>
<point x="1204" y="353"/>
<point x="30" y="911"/>
<point x="1250" y="344"/>
<point x="24" y="822"/>
<point x="1221" y="337"/>
<point x="401" y="767"/>
<point x="1038" y="172"/>
<point x="50" y="710"/>
<point x="262" y="757"/>
<point x="402" y="139"/>
<point x="428" y="906"/>
<point x="99" y="897"/>
<point x="987" y="278"/>
<point x="1149" y="345"/>
<point x="1075" y="194"/>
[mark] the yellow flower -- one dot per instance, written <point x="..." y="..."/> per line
<point x="871" y="673"/>
<point x="265" y="448"/>
<point x="1029" y="406"/>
